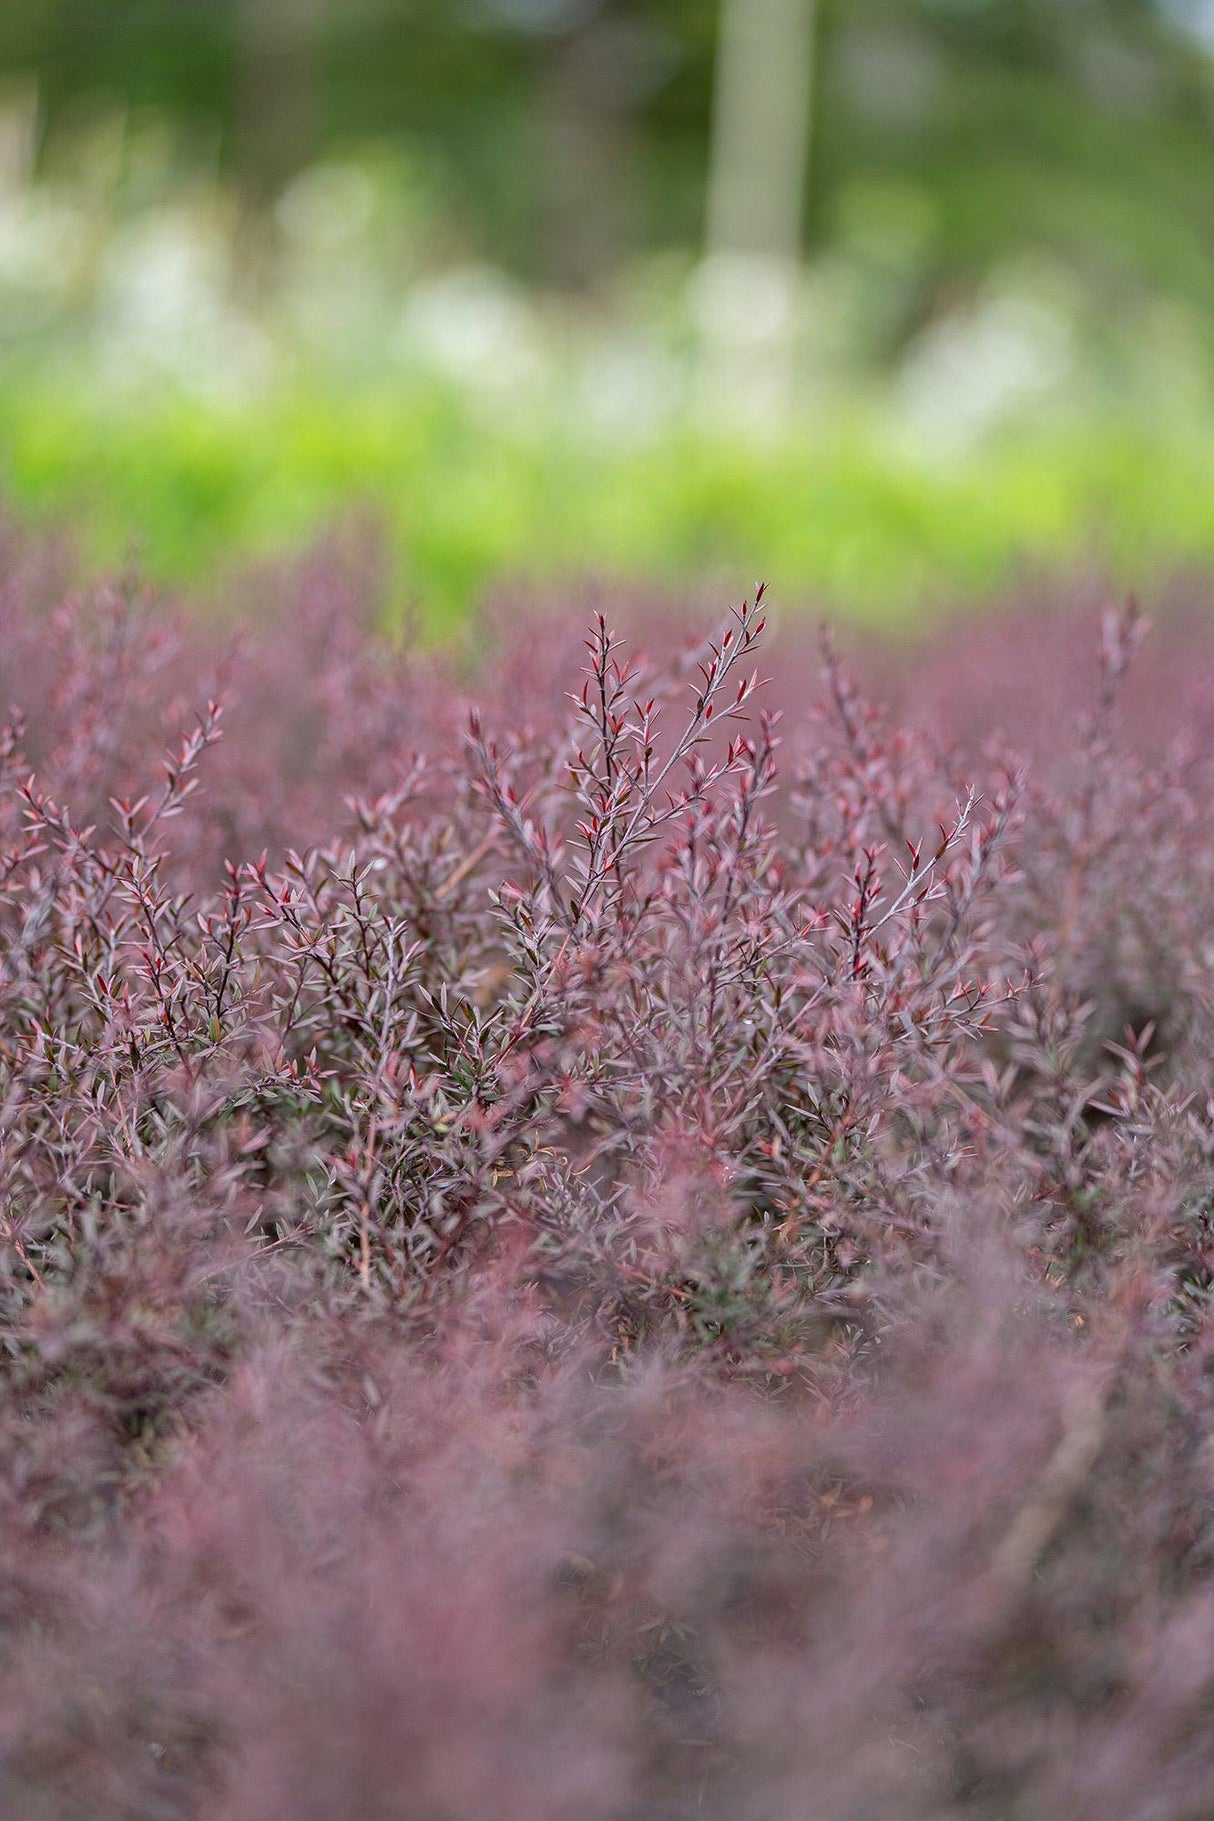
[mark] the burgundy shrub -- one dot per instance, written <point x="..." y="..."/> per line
<point x="612" y="1239"/>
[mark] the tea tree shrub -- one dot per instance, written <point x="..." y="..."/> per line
<point x="613" y="1240"/>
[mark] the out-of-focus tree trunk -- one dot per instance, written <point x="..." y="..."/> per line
<point x="584" y="137"/>
<point x="762" y="117"/>
<point x="277" y="99"/>
<point x="757" y="185"/>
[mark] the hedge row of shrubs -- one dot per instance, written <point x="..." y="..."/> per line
<point x="603" y="1241"/>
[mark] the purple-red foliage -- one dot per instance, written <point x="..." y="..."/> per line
<point x="638" y="1249"/>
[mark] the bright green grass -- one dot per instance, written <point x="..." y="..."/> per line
<point x="844" y="520"/>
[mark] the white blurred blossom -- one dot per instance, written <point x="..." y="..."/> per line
<point x="971" y="372"/>
<point x="475" y="327"/>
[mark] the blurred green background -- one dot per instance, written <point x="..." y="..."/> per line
<point x="889" y="301"/>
